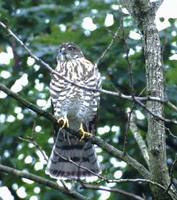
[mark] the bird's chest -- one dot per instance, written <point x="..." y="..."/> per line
<point x="76" y="102"/>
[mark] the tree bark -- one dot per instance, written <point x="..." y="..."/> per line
<point x="156" y="137"/>
<point x="143" y="12"/>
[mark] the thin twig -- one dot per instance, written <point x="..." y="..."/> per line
<point x="140" y="181"/>
<point x="154" y="115"/>
<point x="41" y="180"/>
<point x="127" y="128"/>
<point x="130" y="75"/>
<point x="139" y="139"/>
<point x="130" y="71"/>
<point x="64" y="185"/>
<point x="108" y="47"/>
<point x="32" y="140"/>
<point x="171" y="105"/>
<point x="116" y="190"/>
<point x="171" y="172"/>
<point x="170" y="133"/>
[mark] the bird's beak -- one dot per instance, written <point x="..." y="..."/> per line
<point x="63" y="51"/>
<point x="62" y="54"/>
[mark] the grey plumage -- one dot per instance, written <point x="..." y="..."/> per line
<point x="82" y="154"/>
<point x="78" y="106"/>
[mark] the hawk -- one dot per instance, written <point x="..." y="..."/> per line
<point x="75" y="108"/>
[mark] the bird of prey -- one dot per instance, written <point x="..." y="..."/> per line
<point x="76" y="108"/>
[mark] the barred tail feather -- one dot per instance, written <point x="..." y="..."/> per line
<point x="81" y="153"/>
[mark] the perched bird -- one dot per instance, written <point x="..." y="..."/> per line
<point x="76" y="108"/>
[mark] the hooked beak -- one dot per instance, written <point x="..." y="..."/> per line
<point x="62" y="54"/>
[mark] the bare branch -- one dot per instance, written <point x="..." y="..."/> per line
<point x="108" y="47"/>
<point x="138" y="181"/>
<point x="171" y="105"/>
<point x="109" y="148"/>
<point x="170" y="133"/>
<point x="40" y="180"/>
<point x="52" y="71"/>
<point x="171" y="173"/>
<point x="139" y="139"/>
<point x="170" y="193"/>
<point x="130" y="71"/>
<point x="117" y="94"/>
<point x="27" y="104"/>
<point x="126" y="129"/>
<point x="143" y="11"/>
<point x="116" y="190"/>
<point x="173" y="121"/>
<point x="120" y="154"/>
<point x="32" y="140"/>
<point x="54" y="185"/>
<point x="129" y="97"/>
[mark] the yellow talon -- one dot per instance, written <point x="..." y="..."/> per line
<point x="64" y="122"/>
<point x="83" y="133"/>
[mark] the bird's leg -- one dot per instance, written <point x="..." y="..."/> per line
<point x="63" y="121"/>
<point x="83" y="133"/>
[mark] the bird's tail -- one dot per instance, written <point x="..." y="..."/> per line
<point x="72" y="159"/>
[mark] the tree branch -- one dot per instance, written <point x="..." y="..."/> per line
<point x="154" y="114"/>
<point x="171" y="173"/>
<point x="52" y="71"/>
<point x="27" y="104"/>
<point x="170" y="193"/>
<point x="121" y="155"/>
<point x="136" y="99"/>
<point x="140" y="181"/>
<point x="116" y="190"/>
<point x="139" y="139"/>
<point x="143" y="11"/>
<point x="42" y="181"/>
<point x="32" y="141"/>
<point x="107" y="147"/>
<point x="108" y="47"/>
<point x="171" y="105"/>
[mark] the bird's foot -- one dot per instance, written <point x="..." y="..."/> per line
<point x="63" y="122"/>
<point x="83" y="133"/>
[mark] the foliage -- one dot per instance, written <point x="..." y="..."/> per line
<point x="43" y="26"/>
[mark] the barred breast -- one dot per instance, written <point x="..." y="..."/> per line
<point x="70" y="99"/>
<point x="79" y="106"/>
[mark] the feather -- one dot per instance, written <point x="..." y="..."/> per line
<point x="70" y="157"/>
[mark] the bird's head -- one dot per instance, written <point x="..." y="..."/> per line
<point x="69" y="51"/>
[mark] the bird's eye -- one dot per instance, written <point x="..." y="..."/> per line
<point x="70" y="48"/>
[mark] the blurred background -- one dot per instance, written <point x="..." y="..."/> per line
<point x="43" y="25"/>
